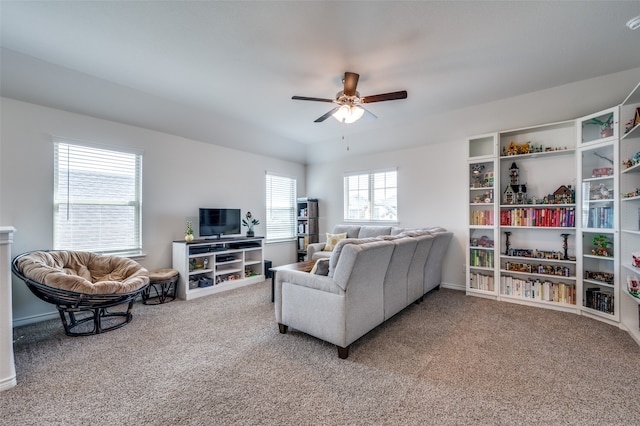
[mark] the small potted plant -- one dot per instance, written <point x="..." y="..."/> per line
<point x="188" y="234"/>
<point x="249" y="221"/>
<point x="602" y="244"/>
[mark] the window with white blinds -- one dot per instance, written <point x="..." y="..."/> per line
<point x="371" y="197"/>
<point x="281" y="207"/>
<point x="97" y="198"/>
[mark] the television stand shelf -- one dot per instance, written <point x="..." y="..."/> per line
<point x="213" y="266"/>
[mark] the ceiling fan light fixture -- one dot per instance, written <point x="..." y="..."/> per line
<point x="348" y="114"/>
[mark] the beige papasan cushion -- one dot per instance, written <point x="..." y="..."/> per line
<point x="84" y="272"/>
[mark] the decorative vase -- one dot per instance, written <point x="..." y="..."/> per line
<point x="188" y="238"/>
<point x="250" y="233"/>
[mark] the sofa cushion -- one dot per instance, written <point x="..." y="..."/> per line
<point x="373" y="231"/>
<point x="364" y="266"/>
<point x="390" y="237"/>
<point x="84" y="272"/>
<point x="436" y="229"/>
<point x="335" y="255"/>
<point x="396" y="278"/>
<point x="351" y="230"/>
<point x="333" y="240"/>
<point x="321" y="255"/>
<point x="414" y="233"/>
<point x="321" y="267"/>
<point x="395" y="230"/>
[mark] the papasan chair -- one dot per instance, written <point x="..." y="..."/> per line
<point x="84" y="286"/>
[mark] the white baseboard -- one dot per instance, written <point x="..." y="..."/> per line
<point x="452" y="286"/>
<point x="8" y="383"/>
<point x="35" y="318"/>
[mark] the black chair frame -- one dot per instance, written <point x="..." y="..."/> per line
<point x="76" y="309"/>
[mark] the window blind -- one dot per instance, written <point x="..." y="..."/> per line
<point x="97" y="198"/>
<point x="281" y="207"/>
<point x="371" y="196"/>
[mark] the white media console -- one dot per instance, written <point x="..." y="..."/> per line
<point x="212" y="266"/>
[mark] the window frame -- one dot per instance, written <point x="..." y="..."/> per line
<point x="127" y="247"/>
<point x="277" y="233"/>
<point x="370" y="177"/>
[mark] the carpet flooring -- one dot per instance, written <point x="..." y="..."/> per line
<point x="218" y="360"/>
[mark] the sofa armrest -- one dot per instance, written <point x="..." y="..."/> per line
<point x="313" y="248"/>
<point x="320" y="283"/>
<point x="305" y="279"/>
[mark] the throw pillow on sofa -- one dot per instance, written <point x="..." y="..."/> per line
<point x="333" y="240"/>
<point x="321" y="267"/>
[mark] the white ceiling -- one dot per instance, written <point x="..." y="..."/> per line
<point x="224" y="72"/>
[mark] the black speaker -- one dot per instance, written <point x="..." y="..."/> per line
<point x="267" y="272"/>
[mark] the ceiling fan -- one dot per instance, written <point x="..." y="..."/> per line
<point x="349" y="103"/>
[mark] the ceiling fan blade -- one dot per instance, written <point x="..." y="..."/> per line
<point x="368" y="115"/>
<point x="327" y="115"/>
<point x="306" y="98"/>
<point x="384" y="97"/>
<point x="350" y="83"/>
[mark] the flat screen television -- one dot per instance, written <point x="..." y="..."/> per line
<point x="219" y="222"/>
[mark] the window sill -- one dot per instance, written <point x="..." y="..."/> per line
<point x="137" y="255"/>
<point x="372" y="222"/>
<point x="280" y="241"/>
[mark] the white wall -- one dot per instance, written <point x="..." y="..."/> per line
<point x="433" y="188"/>
<point x="429" y="194"/>
<point x="179" y="176"/>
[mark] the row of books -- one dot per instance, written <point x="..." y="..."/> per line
<point x="600" y="217"/>
<point x="303" y="228"/>
<point x="303" y="242"/>
<point x="481" y="282"/>
<point x="481" y="217"/>
<point x="538" y="290"/>
<point x="545" y="217"/>
<point x="600" y="300"/>
<point x="482" y="258"/>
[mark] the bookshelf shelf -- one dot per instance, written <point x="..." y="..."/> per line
<point x="632" y="297"/>
<point x="539" y="259"/>
<point x="633" y="133"/>
<point x="600" y="314"/>
<point x="563" y="228"/>
<point x="538" y="155"/>
<point x="598" y="283"/>
<point x="540" y="303"/>
<point x="593" y="256"/>
<point x="534" y="274"/>
<point x="481" y="268"/>
<point x="631" y="268"/>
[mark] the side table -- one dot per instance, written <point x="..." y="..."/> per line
<point x="305" y="266"/>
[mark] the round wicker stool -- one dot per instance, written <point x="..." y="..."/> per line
<point x="162" y="287"/>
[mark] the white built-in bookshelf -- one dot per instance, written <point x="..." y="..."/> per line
<point x="554" y="215"/>
<point x="629" y="148"/>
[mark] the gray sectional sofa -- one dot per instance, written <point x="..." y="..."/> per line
<point x="433" y="267"/>
<point x="369" y="280"/>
